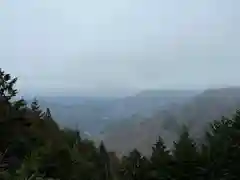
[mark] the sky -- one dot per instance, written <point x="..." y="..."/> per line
<point x="115" y="45"/>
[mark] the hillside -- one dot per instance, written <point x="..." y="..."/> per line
<point x="196" y="113"/>
<point x="94" y="114"/>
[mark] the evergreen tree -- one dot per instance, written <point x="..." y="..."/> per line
<point x="7" y="83"/>
<point x="185" y="156"/>
<point x="135" y="166"/>
<point x="48" y="114"/>
<point x="234" y="150"/>
<point x="160" y="161"/>
<point x="105" y="161"/>
<point x="222" y="149"/>
<point x="35" y="107"/>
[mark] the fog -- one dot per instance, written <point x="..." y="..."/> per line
<point x="120" y="45"/>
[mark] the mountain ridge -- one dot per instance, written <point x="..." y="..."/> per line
<point x="92" y="114"/>
<point x="196" y="113"/>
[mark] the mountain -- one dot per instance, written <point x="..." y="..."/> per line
<point x="148" y="102"/>
<point x="196" y="113"/>
<point x="84" y="113"/>
<point x="93" y="114"/>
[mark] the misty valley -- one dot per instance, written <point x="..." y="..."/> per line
<point x="138" y="120"/>
<point x="154" y="134"/>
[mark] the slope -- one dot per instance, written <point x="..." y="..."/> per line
<point x="196" y="113"/>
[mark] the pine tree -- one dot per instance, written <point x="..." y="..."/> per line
<point x="51" y="124"/>
<point x="160" y="161"/>
<point x="7" y="84"/>
<point x="216" y="157"/>
<point x="105" y="161"/>
<point x="223" y="148"/>
<point x="35" y="107"/>
<point x="185" y="156"/>
<point x="160" y="153"/>
<point x="135" y="166"/>
<point x="48" y="114"/>
<point x="13" y="122"/>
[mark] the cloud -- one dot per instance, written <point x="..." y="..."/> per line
<point x="120" y="44"/>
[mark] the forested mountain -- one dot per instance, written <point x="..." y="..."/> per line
<point x="33" y="147"/>
<point x="93" y="114"/>
<point x="196" y="114"/>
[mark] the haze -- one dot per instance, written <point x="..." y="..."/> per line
<point x="115" y="45"/>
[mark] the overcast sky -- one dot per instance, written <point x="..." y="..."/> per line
<point x="87" y="45"/>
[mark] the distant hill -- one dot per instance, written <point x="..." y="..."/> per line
<point x="148" y="102"/>
<point x="84" y="113"/>
<point x="93" y="114"/>
<point x="195" y="113"/>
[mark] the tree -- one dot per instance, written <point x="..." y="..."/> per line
<point x="134" y="166"/>
<point x="160" y="161"/>
<point x="160" y="153"/>
<point x="48" y="114"/>
<point x="105" y="161"/>
<point x="185" y="156"/>
<point x="222" y="149"/>
<point x="37" y="146"/>
<point x="7" y="84"/>
<point x="35" y="107"/>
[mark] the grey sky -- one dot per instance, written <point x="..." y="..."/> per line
<point x="120" y="44"/>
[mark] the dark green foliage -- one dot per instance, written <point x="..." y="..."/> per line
<point x="105" y="162"/>
<point x="160" y="161"/>
<point x="7" y="83"/>
<point x="185" y="157"/>
<point x="134" y="166"/>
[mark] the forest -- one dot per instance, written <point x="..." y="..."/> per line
<point x="33" y="146"/>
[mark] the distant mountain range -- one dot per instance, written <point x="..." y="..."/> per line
<point x="94" y="114"/>
<point x="196" y="113"/>
<point x="137" y="120"/>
